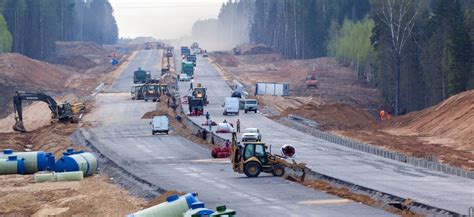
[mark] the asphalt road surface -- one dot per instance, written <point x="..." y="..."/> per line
<point x="175" y="163"/>
<point x="364" y="169"/>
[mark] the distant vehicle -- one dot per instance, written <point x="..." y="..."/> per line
<point x="140" y="76"/>
<point x="187" y="68"/>
<point x="191" y="58"/>
<point x="196" y="107"/>
<point x="160" y="124"/>
<point x="231" y="106"/>
<point x="199" y="92"/>
<point x="185" y="51"/>
<point x="236" y="50"/>
<point x="184" y="77"/>
<point x="250" y="105"/>
<point x="251" y="135"/>
<point x="311" y="82"/>
<point x="205" y="54"/>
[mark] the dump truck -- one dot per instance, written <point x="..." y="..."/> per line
<point x="62" y="112"/>
<point x="187" y="68"/>
<point x="191" y="58"/>
<point x="185" y="51"/>
<point x="151" y="92"/>
<point x="141" y="76"/>
<point x="199" y="92"/>
<point x="252" y="158"/>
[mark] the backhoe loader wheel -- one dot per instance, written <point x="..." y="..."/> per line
<point x="278" y="170"/>
<point x="252" y="169"/>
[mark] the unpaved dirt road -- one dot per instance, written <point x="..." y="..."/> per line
<point x="364" y="169"/>
<point x="173" y="162"/>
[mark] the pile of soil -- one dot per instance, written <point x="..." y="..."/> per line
<point x="78" y="48"/>
<point x="452" y="119"/>
<point x="80" y="55"/>
<point x="225" y="59"/>
<point x="333" y="116"/>
<point x="93" y="196"/>
<point x="259" y="49"/>
<point x="443" y="132"/>
<point x="19" y="70"/>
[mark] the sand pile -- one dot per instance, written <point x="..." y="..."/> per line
<point x="333" y="116"/>
<point x="19" y="70"/>
<point x="453" y="119"/>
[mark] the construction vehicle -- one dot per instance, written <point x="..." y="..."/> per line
<point x="141" y="76"/>
<point x="191" y="58"/>
<point x="199" y="92"/>
<point x="236" y="50"/>
<point x="196" y="107"/>
<point x="185" y="51"/>
<point x="151" y="92"/>
<point x="311" y="81"/>
<point x="61" y="112"/>
<point x="252" y="158"/>
<point x="187" y="68"/>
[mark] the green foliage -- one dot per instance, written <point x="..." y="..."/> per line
<point x="5" y="36"/>
<point x="35" y="25"/>
<point x="351" y="44"/>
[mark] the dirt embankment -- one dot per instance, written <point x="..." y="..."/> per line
<point x="443" y="132"/>
<point x="337" y="84"/>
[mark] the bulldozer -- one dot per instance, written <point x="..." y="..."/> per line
<point x="61" y="112"/>
<point x="252" y="158"/>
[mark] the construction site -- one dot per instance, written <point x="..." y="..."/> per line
<point x="167" y="128"/>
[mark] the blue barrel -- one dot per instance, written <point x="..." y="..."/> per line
<point x="198" y="209"/>
<point x="34" y="161"/>
<point x="85" y="162"/>
<point x="12" y="165"/>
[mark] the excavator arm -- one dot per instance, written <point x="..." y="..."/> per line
<point x="17" y="106"/>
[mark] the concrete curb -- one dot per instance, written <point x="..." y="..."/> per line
<point x="385" y="198"/>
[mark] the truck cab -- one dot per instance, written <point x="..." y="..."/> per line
<point x="152" y="92"/>
<point x="141" y="76"/>
<point x="188" y="68"/>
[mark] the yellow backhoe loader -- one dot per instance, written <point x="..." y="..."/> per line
<point x="252" y="158"/>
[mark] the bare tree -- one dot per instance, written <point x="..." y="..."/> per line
<point x="399" y="16"/>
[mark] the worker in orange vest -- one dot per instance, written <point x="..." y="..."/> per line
<point x="382" y="115"/>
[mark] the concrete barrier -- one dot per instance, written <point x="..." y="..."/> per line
<point x="304" y="125"/>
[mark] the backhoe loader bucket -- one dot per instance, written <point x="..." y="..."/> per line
<point x="19" y="126"/>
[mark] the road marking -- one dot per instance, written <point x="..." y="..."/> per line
<point x="213" y="160"/>
<point x="324" y="202"/>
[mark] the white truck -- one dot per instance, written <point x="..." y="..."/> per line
<point x="231" y="106"/>
<point x="160" y="124"/>
<point x="250" y="105"/>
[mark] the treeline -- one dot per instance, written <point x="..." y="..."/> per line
<point x="35" y="25"/>
<point x="229" y="29"/>
<point x="416" y="52"/>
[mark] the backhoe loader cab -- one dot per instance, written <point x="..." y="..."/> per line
<point x="252" y="158"/>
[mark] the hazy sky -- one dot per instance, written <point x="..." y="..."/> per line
<point x="162" y="19"/>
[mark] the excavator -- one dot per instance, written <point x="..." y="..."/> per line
<point x="61" y="112"/>
<point x="252" y="158"/>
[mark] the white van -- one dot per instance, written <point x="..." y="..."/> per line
<point x="231" y="106"/>
<point x="160" y="124"/>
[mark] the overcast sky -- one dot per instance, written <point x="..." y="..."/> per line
<point x="162" y="19"/>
